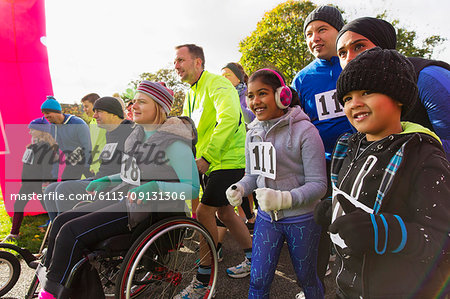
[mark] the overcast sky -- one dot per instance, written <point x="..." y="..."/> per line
<point x="101" y="45"/>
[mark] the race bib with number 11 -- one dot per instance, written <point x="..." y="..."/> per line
<point x="263" y="159"/>
<point x="328" y="106"/>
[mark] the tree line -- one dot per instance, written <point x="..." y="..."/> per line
<point x="278" y="42"/>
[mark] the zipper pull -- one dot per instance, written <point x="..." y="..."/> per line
<point x="275" y="213"/>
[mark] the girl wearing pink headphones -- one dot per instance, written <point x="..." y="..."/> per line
<point x="285" y="166"/>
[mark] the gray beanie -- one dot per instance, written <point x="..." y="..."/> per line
<point x="109" y="104"/>
<point x="328" y="14"/>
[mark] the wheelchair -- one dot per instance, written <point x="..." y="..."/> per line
<point x="159" y="263"/>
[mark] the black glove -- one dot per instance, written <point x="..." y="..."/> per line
<point x="369" y="233"/>
<point x="322" y="213"/>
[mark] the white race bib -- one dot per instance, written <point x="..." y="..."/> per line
<point x="328" y="105"/>
<point x="263" y="159"/>
<point x="130" y="171"/>
<point x="28" y="156"/>
<point x="76" y="156"/>
<point x="108" y="151"/>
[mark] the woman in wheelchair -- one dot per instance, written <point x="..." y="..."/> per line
<point x="158" y="173"/>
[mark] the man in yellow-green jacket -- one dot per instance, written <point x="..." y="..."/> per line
<point x="98" y="135"/>
<point x="213" y="104"/>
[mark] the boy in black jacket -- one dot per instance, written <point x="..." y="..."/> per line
<point x="390" y="211"/>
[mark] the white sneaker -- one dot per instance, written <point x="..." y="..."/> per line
<point x="241" y="270"/>
<point x="196" y="290"/>
<point x="300" y="295"/>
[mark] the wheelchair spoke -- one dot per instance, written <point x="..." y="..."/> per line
<point x="162" y="261"/>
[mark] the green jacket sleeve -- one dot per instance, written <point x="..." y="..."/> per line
<point x="228" y="118"/>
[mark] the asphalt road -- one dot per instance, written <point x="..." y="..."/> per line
<point x="283" y="286"/>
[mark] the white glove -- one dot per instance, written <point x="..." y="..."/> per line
<point x="270" y="200"/>
<point x="234" y="194"/>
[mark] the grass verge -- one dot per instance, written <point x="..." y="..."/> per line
<point x="31" y="234"/>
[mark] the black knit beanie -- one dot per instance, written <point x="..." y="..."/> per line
<point x="109" y="104"/>
<point x="236" y="71"/>
<point x="383" y="71"/>
<point x="328" y="14"/>
<point x="379" y="32"/>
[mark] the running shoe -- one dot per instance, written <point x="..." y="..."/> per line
<point x="196" y="290"/>
<point x="241" y="270"/>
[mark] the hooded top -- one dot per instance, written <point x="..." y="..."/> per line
<point x="409" y="178"/>
<point x="71" y="134"/>
<point x="300" y="163"/>
<point x="150" y="152"/>
<point x="165" y="156"/>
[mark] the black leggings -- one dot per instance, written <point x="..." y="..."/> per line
<point x="72" y="172"/>
<point x="27" y="189"/>
<point x="78" y="230"/>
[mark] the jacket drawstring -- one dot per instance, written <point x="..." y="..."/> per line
<point x="290" y="133"/>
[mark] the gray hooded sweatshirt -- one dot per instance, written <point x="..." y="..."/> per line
<point x="300" y="161"/>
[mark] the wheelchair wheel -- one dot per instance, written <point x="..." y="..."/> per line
<point x="9" y="271"/>
<point x="162" y="261"/>
<point x="108" y="270"/>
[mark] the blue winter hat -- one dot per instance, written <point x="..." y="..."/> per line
<point x="51" y="104"/>
<point x="40" y="124"/>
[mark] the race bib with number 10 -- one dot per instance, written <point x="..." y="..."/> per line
<point x="263" y="159"/>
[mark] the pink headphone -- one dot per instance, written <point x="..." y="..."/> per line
<point x="283" y="94"/>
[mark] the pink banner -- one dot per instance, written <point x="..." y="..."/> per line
<point x="24" y="74"/>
